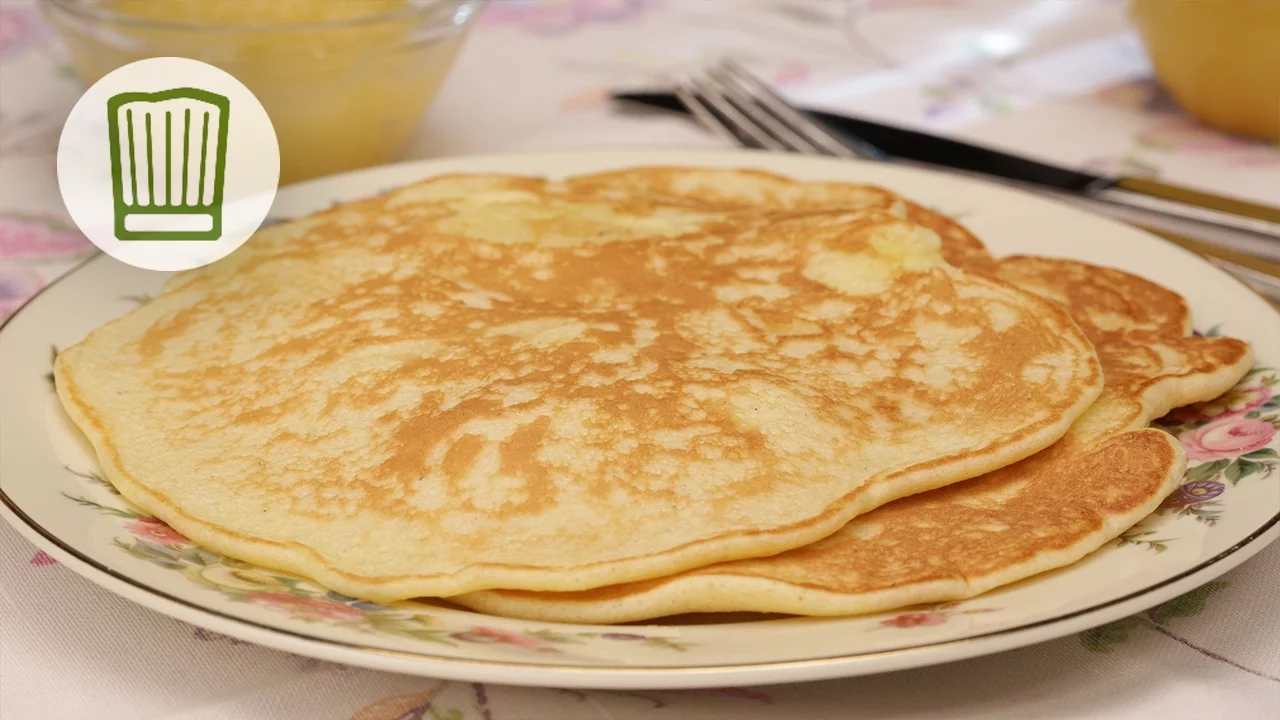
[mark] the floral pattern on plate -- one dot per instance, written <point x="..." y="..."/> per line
<point x="1227" y="440"/>
<point x="152" y="541"/>
<point x="933" y="615"/>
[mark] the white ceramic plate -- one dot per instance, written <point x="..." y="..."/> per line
<point x="1228" y="509"/>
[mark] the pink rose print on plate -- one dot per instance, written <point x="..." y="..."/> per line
<point x="918" y="619"/>
<point x="42" y="559"/>
<point x="304" y="607"/>
<point x="556" y="17"/>
<point x="482" y="634"/>
<point x="37" y="238"/>
<point x="156" y="531"/>
<point x="1227" y="438"/>
<point x="17" y="284"/>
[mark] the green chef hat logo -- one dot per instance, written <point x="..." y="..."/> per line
<point x="168" y="163"/>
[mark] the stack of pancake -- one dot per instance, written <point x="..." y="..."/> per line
<point x="636" y="394"/>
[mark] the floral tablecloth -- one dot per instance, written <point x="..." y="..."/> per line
<point x="1060" y="79"/>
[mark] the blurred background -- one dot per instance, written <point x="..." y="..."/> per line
<point x="1187" y="91"/>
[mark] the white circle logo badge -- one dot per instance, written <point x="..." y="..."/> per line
<point x="168" y="164"/>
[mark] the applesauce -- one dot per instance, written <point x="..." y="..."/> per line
<point x="344" y="81"/>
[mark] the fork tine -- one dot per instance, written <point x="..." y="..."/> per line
<point x="811" y="130"/>
<point x="746" y="103"/>
<point x="733" y="117"/>
<point x="705" y="116"/>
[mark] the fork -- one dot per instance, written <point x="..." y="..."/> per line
<point x="734" y="104"/>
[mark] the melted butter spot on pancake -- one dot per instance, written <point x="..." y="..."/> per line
<point x="850" y="273"/>
<point x="911" y="248"/>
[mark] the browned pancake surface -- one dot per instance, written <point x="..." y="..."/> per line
<point x="1041" y="513"/>
<point x="491" y="381"/>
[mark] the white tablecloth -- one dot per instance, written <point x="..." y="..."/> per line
<point x="1060" y="79"/>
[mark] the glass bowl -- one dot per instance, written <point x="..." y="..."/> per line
<point x="345" y="82"/>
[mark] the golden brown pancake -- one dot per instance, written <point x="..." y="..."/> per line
<point x="1039" y="514"/>
<point x="485" y="381"/>
<point x="746" y="189"/>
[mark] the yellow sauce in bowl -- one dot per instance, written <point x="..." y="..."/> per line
<point x="344" y="81"/>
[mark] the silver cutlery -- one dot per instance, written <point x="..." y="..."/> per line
<point x="734" y="104"/>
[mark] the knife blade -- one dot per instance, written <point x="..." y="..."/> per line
<point x="1139" y="193"/>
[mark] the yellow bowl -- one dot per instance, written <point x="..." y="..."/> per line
<point x="1219" y="59"/>
<point x="344" y="81"/>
